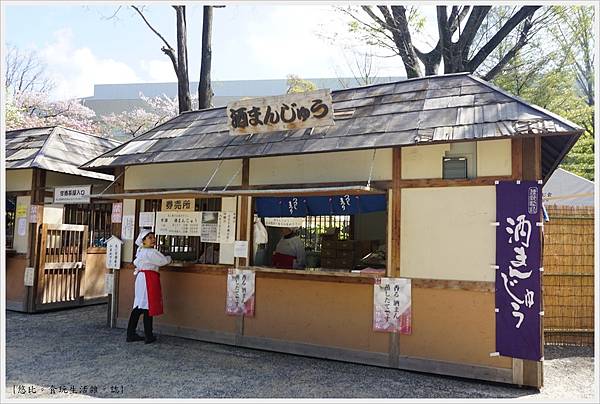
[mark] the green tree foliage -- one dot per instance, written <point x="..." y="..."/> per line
<point x="556" y="72"/>
<point x="297" y="85"/>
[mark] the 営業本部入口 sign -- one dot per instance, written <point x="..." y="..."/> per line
<point x="72" y="194"/>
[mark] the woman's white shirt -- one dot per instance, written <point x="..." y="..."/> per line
<point x="146" y="259"/>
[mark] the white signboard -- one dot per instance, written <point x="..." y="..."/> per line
<point x="113" y="253"/>
<point x="392" y="305"/>
<point x="218" y="227"/>
<point x="226" y="227"/>
<point x="240" y="292"/>
<point x="240" y="249"/>
<point x="73" y="194"/>
<point x="117" y="212"/>
<point x="146" y="219"/>
<point x="178" y="223"/>
<point x="34" y="213"/>
<point x="210" y="227"/>
<point x="22" y="226"/>
<point x="108" y="283"/>
<point x="286" y="112"/>
<point x="127" y="227"/>
<point x="291" y="222"/>
<point x="28" y="278"/>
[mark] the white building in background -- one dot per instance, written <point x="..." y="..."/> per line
<point x="568" y="189"/>
<point x="116" y="98"/>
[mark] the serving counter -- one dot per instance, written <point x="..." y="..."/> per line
<point x="329" y="314"/>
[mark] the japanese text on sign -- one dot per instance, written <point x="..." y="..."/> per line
<point x="35" y="213"/>
<point x="518" y="257"/>
<point x="392" y="305"/>
<point x="240" y="292"/>
<point x="117" y="212"/>
<point x="178" y="223"/>
<point x="146" y="219"/>
<point x="291" y="222"/>
<point x="127" y="227"/>
<point x="74" y="194"/>
<point x="292" y="111"/>
<point x="113" y="253"/>
<point x="218" y="227"/>
<point x="178" y="205"/>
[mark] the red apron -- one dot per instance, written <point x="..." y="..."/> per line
<point x="155" y="303"/>
<point x="283" y="261"/>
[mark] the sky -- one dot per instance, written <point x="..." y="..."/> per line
<point x="82" y="46"/>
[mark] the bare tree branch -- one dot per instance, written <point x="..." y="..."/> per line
<point x="471" y="27"/>
<point x="523" y="13"/>
<point x="522" y="41"/>
<point x="169" y="49"/>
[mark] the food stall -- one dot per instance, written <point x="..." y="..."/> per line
<point x="409" y="174"/>
<point x="54" y="256"/>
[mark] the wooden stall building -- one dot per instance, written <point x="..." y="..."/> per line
<point x="420" y="157"/>
<point x="54" y="251"/>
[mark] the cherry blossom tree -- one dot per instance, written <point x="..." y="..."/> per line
<point x="29" y="109"/>
<point x="141" y="119"/>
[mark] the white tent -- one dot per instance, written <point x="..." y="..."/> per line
<point x="568" y="189"/>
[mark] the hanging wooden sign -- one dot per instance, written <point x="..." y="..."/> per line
<point x="286" y="112"/>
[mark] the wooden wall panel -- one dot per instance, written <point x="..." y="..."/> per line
<point x="453" y="325"/>
<point x="322" y="313"/>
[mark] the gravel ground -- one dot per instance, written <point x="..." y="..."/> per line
<point x="73" y="354"/>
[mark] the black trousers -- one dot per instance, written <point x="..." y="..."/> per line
<point x="133" y="321"/>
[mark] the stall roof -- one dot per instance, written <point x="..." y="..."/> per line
<point x="55" y="148"/>
<point x="443" y="108"/>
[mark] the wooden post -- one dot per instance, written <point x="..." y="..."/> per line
<point x="244" y="206"/>
<point x="38" y="185"/>
<point x="517" y="158"/>
<point x="527" y="166"/>
<point x="395" y="211"/>
<point x="115" y="228"/>
<point x="394" y="269"/>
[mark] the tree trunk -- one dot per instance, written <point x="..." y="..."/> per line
<point x="183" y="83"/>
<point x="205" y="92"/>
<point x="455" y="54"/>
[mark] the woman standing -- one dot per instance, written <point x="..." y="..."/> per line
<point x="148" y="294"/>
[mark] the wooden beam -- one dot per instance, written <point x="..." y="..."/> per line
<point x="435" y="182"/>
<point x="533" y="370"/>
<point x="473" y="286"/>
<point x="39" y="280"/>
<point x="517" y="158"/>
<point x="244" y="212"/>
<point x="38" y="184"/>
<point x="397" y="185"/>
<point x="394" y="263"/>
<point x="529" y="159"/>
<point x="538" y="158"/>
<point x="115" y="229"/>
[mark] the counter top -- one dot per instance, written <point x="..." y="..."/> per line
<point x="316" y="274"/>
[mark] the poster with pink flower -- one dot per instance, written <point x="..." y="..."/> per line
<point x="392" y="305"/>
<point x="240" y="292"/>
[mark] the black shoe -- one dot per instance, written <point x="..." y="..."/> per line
<point x="150" y="340"/>
<point x="135" y="337"/>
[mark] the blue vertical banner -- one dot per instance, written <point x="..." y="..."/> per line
<point x="518" y="278"/>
